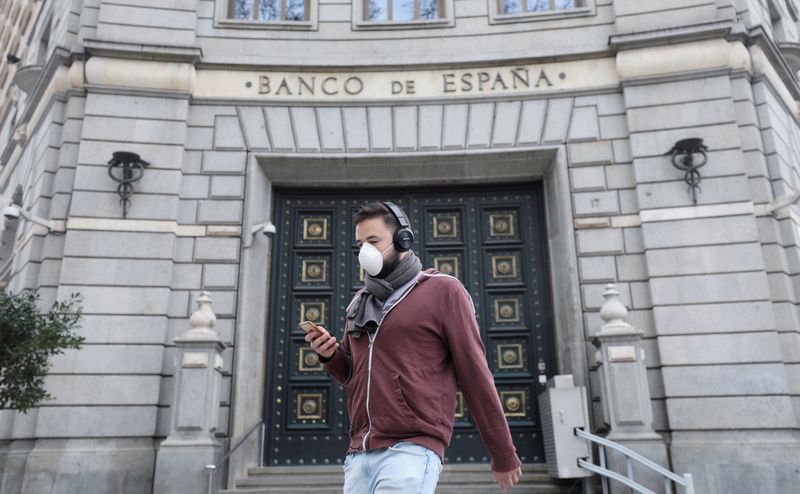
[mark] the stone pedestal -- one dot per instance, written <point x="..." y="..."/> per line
<point x="183" y="457"/>
<point x="625" y="393"/>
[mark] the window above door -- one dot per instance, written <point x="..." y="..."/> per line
<point x="402" y="14"/>
<point x="502" y="11"/>
<point x="266" y="14"/>
<point x="389" y="14"/>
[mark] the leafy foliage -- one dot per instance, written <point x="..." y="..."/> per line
<point x="28" y="339"/>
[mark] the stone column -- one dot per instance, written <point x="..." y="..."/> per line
<point x="624" y="391"/>
<point x="190" y="447"/>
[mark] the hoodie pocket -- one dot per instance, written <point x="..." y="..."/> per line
<point x="389" y="410"/>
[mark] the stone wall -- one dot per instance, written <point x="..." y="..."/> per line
<point x="712" y="285"/>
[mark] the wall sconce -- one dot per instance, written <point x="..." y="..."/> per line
<point x="682" y="154"/>
<point x="132" y="167"/>
<point x="27" y="77"/>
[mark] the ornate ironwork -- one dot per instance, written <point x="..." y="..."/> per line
<point x="312" y="311"/>
<point x="506" y="310"/>
<point x="309" y="406"/>
<point x="509" y="356"/>
<point x="514" y="403"/>
<point x="315" y="228"/>
<point x="682" y="156"/>
<point x="512" y="310"/>
<point x="132" y="167"/>
<point x="460" y="412"/>
<point x="504" y="267"/>
<point x="309" y="361"/>
<point x="501" y="225"/>
<point x="445" y="226"/>
<point x="447" y="265"/>
<point x="314" y="271"/>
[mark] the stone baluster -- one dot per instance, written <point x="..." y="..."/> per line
<point x="190" y="446"/>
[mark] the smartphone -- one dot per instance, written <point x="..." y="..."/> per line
<point x="309" y="327"/>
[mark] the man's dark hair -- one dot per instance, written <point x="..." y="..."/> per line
<point x="374" y="210"/>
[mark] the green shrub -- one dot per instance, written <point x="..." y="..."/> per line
<point x="28" y="339"/>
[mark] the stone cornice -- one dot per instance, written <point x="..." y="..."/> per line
<point x="178" y="77"/>
<point x="681" y="34"/>
<point x="758" y="37"/>
<point x="682" y="59"/>
<point x="756" y="55"/>
<point x="142" y="51"/>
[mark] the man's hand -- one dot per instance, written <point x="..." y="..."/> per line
<point x="507" y="479"/>
<point x="322" y="342"/>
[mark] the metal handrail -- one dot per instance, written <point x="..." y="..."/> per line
<point x="605" y="472"/>
<point x="684" y="481"/>
<point x="212" y="468"/>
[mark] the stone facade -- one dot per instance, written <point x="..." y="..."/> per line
<point x="712" y="285"/>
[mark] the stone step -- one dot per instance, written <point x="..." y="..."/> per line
<point x="454" y="468"/>
<point x="441" y="489"/>
<point x="446" y="477"/>
<point x="455" y="479"/>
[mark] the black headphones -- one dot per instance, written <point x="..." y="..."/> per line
<point x="403" y="237"/>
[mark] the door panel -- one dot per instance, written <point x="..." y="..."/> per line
<point x="491" y="240"/>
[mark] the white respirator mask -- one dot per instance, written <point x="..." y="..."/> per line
<point x="371" y="259"/>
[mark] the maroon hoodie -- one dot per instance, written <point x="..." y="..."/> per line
<point x="426" y="346"/>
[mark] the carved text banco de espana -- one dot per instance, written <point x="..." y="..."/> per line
<point x="377" y="84"/>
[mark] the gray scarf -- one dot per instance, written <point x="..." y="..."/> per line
<point x="365" y="314"/>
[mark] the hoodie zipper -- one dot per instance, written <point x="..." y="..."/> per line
<point x="372" y="338"/>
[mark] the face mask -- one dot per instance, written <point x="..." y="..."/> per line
<point x="371" y="259"/>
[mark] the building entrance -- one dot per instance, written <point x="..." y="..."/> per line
<point x="492" y="239"/>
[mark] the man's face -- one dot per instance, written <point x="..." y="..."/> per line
<point x="375" y="232"/>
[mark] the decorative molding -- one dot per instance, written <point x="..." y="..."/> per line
<point x="622" y="221"/>
<point x="682" y="58"/>
<point x="140" y="74"/>
<point x="150" y="226"/>
<point x="142" y="51"/>
<point x="680" y="34"/>
<point x="695" y="212"/>
<point x="670" y="214"/>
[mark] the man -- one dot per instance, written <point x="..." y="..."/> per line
<point x="410" y="339"/>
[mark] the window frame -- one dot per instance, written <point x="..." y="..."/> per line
<point x="361" y="23"/>
<point x="224" y="8"/>
<point x="495" y="17"/>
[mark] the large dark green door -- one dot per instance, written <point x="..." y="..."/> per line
<point x="492" y="239"/>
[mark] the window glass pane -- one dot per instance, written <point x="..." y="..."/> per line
<point x="295" y="10"/>
<point x="269" y="10"/>
<point x="565" y="4"/>
<point x="512" y="7"/>
<point x="402" y="10"/>
<point x="429" y="9"/>
<point x="377" y="10"/>
<point x="538" y="5"/>
<point x="242" y="9"/>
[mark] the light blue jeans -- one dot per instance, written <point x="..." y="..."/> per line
<point x="406" y="468"/>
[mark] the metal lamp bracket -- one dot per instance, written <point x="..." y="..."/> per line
<point x="132" y="170"/>
<point x="682" y="155"/>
